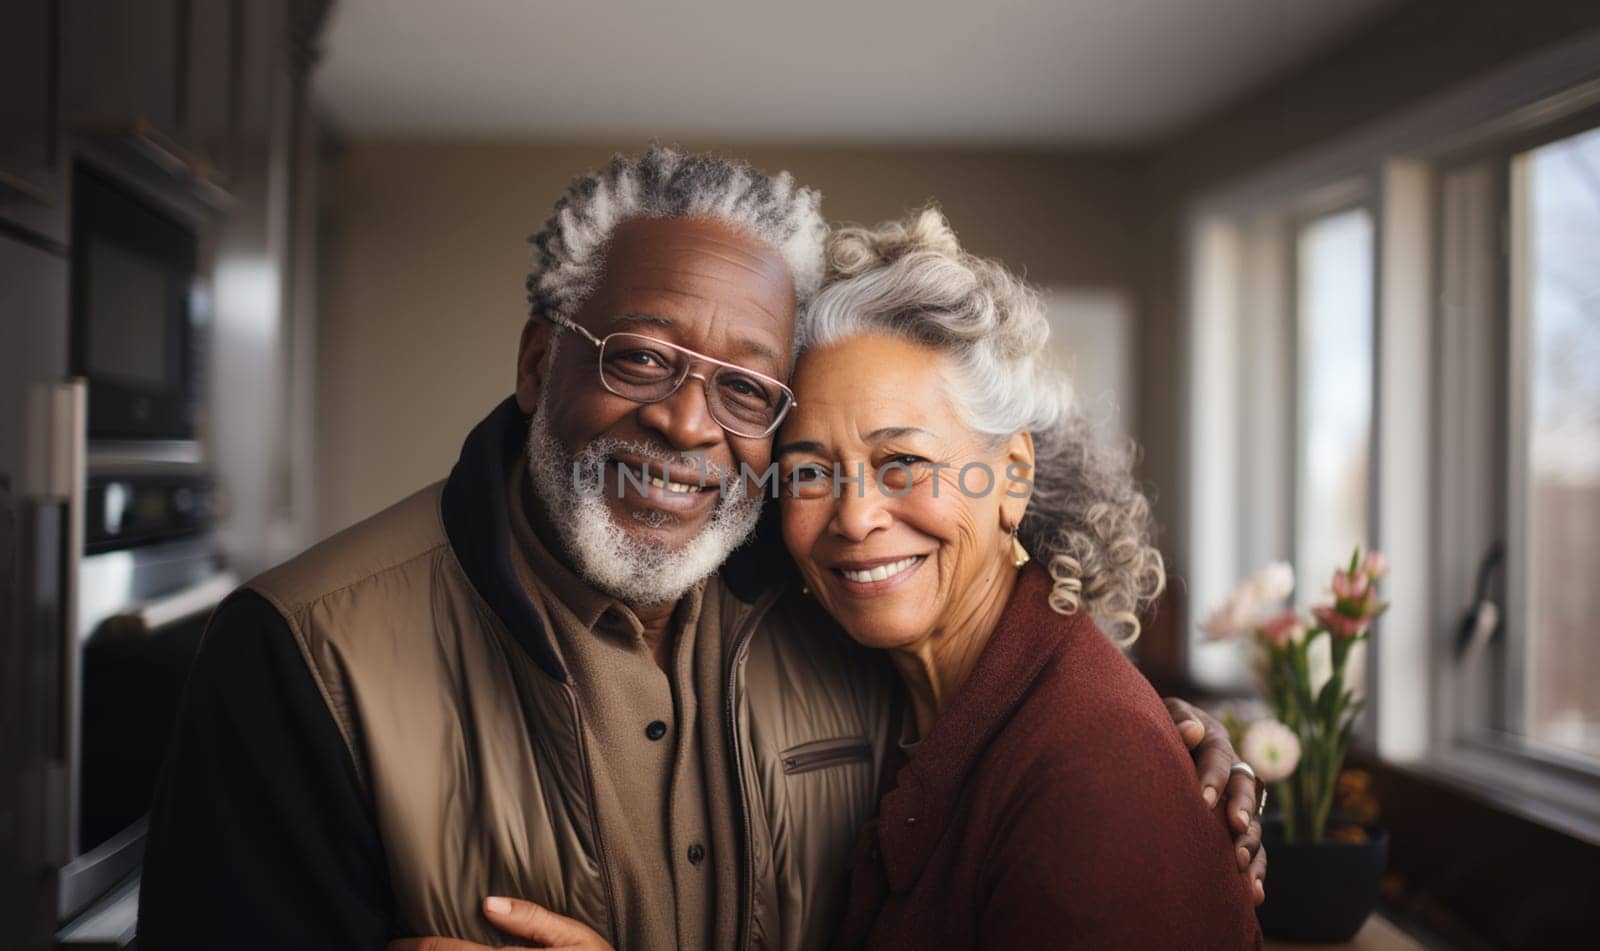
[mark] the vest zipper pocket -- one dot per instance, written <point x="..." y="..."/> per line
<point x="824" y="753"/>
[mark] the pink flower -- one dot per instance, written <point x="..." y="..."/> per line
<point x="1271" y="749"/>
<point x="1274" y="582"/>
<point x="1341" y="625"/>
<point x="1350" y="586"/>
<point x="1282" y="628"/>
<point x="1375" y="565"/>
<point x="1232" y="618"/>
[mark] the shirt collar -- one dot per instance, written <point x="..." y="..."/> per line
<point x="588" y="604"/>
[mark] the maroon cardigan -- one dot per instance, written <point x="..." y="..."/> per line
<point x="1052" y="805"/>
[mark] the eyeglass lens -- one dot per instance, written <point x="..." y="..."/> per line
<point x="648" y="370"/>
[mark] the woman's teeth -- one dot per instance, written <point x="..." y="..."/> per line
<point x="661" y="483"/>
<point x="882" y="572"/>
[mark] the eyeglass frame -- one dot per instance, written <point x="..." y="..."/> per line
<point x="599" y="345"/>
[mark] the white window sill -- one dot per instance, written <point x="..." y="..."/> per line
<point x="1552" y="796"/>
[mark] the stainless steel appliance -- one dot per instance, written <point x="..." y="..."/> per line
<point x="142" y="604"/>
<point x="117" y="563"/>
<point x="38" y="433"/>
<point x="133" y="283"/>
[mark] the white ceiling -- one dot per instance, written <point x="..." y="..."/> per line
<point x="1078" y="72"/>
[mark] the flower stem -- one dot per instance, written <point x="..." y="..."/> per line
<point x="1287" y="805"/>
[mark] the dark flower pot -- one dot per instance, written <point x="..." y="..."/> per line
<point x="1320" y="893"/>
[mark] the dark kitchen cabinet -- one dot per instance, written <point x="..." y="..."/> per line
<point x="161" y="75"/>
<point x="208" y="85"/>
<point x="33" y="523"/>
<point x="192" y="86"/>
<point x="27" y="125"/>
<point x="30" y="179"/>
<point x="263" y="55"/>
<point x="120" y="66"/>
<point x="168" y="99"/>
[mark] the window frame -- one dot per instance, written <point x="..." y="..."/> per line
<point x="1355" y="195"/>
<point x="1479" y="712"/>
<point x="1272" y="532"/>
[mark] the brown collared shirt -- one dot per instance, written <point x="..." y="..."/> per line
<point x="654" y="738"/>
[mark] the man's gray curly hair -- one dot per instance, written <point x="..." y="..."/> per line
<point x="569" y="253"/>
<point x="1087" y="520"/>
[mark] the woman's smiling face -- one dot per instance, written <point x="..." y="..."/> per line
<point x="896" y="556"/>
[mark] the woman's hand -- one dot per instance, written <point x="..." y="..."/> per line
<point x="526" y="920"/>
<point x="1213" y="759"/>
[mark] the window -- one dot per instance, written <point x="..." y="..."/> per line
<point x="1395" y="341"/>
<point x="1333" y="382"/>
<point x="1555" y="435"/>
<point x="1283" y="367"/>
<point x="1517" y="541"/>
<point x="1519" y="455"/>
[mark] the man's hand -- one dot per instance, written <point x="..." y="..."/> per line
<point x="535" y="923"/>
<point x="1213" y="759"/>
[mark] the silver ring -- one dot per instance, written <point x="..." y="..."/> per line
<point x="1261" y="788"/>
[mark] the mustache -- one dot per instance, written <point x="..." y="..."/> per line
<point x="599" y="450"/>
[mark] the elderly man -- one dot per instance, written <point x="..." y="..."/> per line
<point x="545" y="677"/>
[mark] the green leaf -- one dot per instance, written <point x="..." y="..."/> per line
<point x="1301" y="680"/>
<point x="1328" y="697"/>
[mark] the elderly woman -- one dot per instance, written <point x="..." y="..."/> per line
<point x="1045" y="798"/>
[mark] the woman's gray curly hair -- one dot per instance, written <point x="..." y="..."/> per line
<point x="569" y="253"/>
<point x="1087" y="521"/>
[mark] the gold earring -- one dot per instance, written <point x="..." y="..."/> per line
<point x="1019" y="555"/>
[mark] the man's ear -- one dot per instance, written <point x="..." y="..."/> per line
<point x="531" y="369"/>
<point x="1018" y="479"/>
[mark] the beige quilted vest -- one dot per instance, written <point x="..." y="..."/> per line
<point x="473" y="758"/>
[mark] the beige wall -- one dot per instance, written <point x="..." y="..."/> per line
<point x="424" y="256"/>
<point x="424" y="245"/>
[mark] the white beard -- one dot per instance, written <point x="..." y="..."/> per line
<point x="632" y="570"/>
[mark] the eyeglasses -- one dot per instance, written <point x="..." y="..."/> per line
<point x="647" y="370"/>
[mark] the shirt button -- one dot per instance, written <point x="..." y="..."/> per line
<point x="656" y="730"/>
<point x="697" y="854"/>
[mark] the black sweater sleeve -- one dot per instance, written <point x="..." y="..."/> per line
<point x="260" y="836"/>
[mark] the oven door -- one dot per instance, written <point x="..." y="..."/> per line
<point x="142" y="612"/>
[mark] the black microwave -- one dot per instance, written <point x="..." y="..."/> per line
<point x="133" y="278"/>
